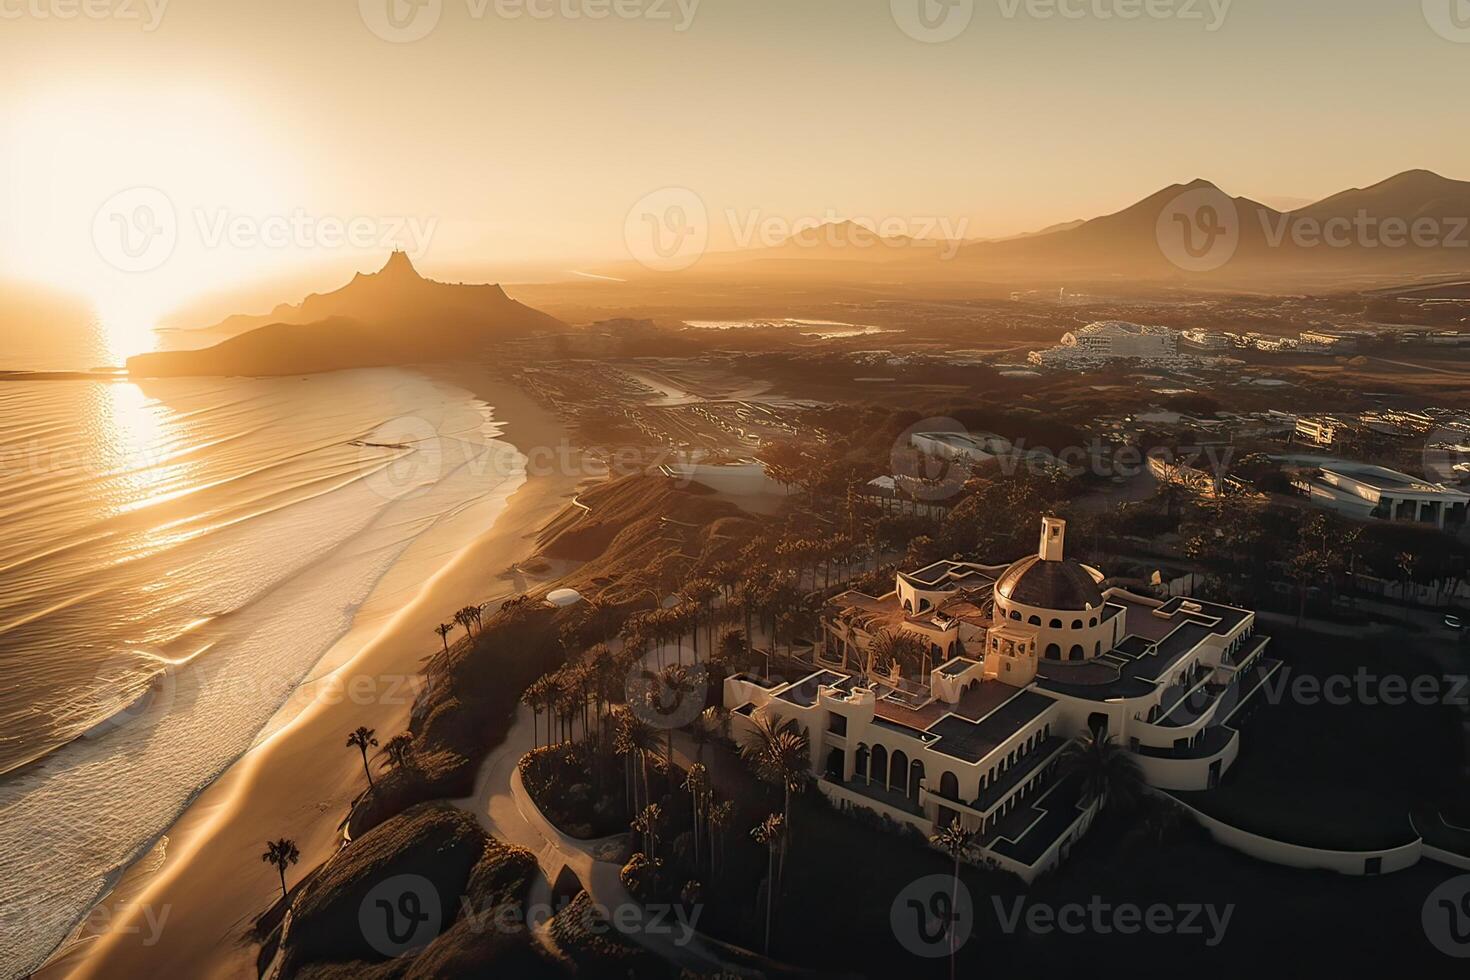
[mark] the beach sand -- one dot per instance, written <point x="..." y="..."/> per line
<point x="187" y="915"/>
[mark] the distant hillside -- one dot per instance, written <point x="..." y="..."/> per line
<point x="1357" y="237"/>
<point x="390" y="317"/>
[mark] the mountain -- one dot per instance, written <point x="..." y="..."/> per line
<point x="393" y="316"/>
<point x="1350" y="235"/>
<point x="1347" y="239"/>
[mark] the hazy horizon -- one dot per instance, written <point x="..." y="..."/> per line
<point x="516" y="136"/>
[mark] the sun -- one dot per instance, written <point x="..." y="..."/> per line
<point x="120" y="187"/>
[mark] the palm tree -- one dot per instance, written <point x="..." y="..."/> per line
<point x="444" y="629"/>
<point x="696" y="781"/>
<point x="721" y="815"/>
<point x="396" y="750"/>
<point x="647" y="823"/>
<point x="1407" y="564"/>
<point x="897" y="647"/>
<point x="780" y="753"/>
<point x="770" y="832"/>
<point x="732" y="648"/>
<point x="636" y="740"/>
<point x="282" y="853"/>
<point x="1109" y="772"/>
<point x="362" y="740"/>
<point x="953" y="839"/>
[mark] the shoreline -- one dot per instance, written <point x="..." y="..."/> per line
<point x="185" y="905"/>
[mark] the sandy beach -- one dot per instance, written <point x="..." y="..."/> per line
<point x="187" y="913"/>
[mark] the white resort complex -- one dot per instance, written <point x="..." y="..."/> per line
<point x="1022" y="659"/>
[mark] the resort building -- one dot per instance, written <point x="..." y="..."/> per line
<point x="1368" y="492"/>
<point x="1019" y="660"/>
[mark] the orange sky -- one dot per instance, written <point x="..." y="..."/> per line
<point x="517" y="134"/>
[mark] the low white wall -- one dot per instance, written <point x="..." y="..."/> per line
<point x="1187" y="774"/>
<point x="1299" y="856"/>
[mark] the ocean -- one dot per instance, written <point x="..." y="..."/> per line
<point x="175" y="558"/>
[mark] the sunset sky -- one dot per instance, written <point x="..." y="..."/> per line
<point x="524" y="141"/>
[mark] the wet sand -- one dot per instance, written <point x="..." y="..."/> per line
<point x="188" y="913"/>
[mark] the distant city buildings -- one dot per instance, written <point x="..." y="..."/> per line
<point x="1097" y="344"/>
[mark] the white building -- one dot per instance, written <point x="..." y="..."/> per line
<point x="1022" y="659"/>
<point x="977" y="447"/>
<point x="1206" y="339"/>
<point x="1378" y="493"/>
<point x="1114" y="338"/>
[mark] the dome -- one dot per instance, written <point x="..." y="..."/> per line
<point x="1062" y="585"/>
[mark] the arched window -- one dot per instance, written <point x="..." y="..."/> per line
<point x="1034" y="620"/>
<point x="1092" y="622"/>
<point x="878" y="766"/>
<point x="1076" y="624"/>
<point x="1076" y="653"/>
<point x="923" y="605"/>
<point x="1097" y="649"/>
<point x="1053" y="652"/>
<point x="1015" y="615"/>
<point x="949" y="786"/>
<point x="898" y="771"/>
<point x="908" y="607"/>
<point x="1056" y="624"/>
<point x="916" y="776"/>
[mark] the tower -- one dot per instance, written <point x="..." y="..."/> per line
<point x="1053" y="537"/>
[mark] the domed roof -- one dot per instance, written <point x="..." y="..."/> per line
<point x="1062" y="585"/>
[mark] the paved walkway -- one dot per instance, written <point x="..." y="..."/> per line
<point x="504" y="808"/>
